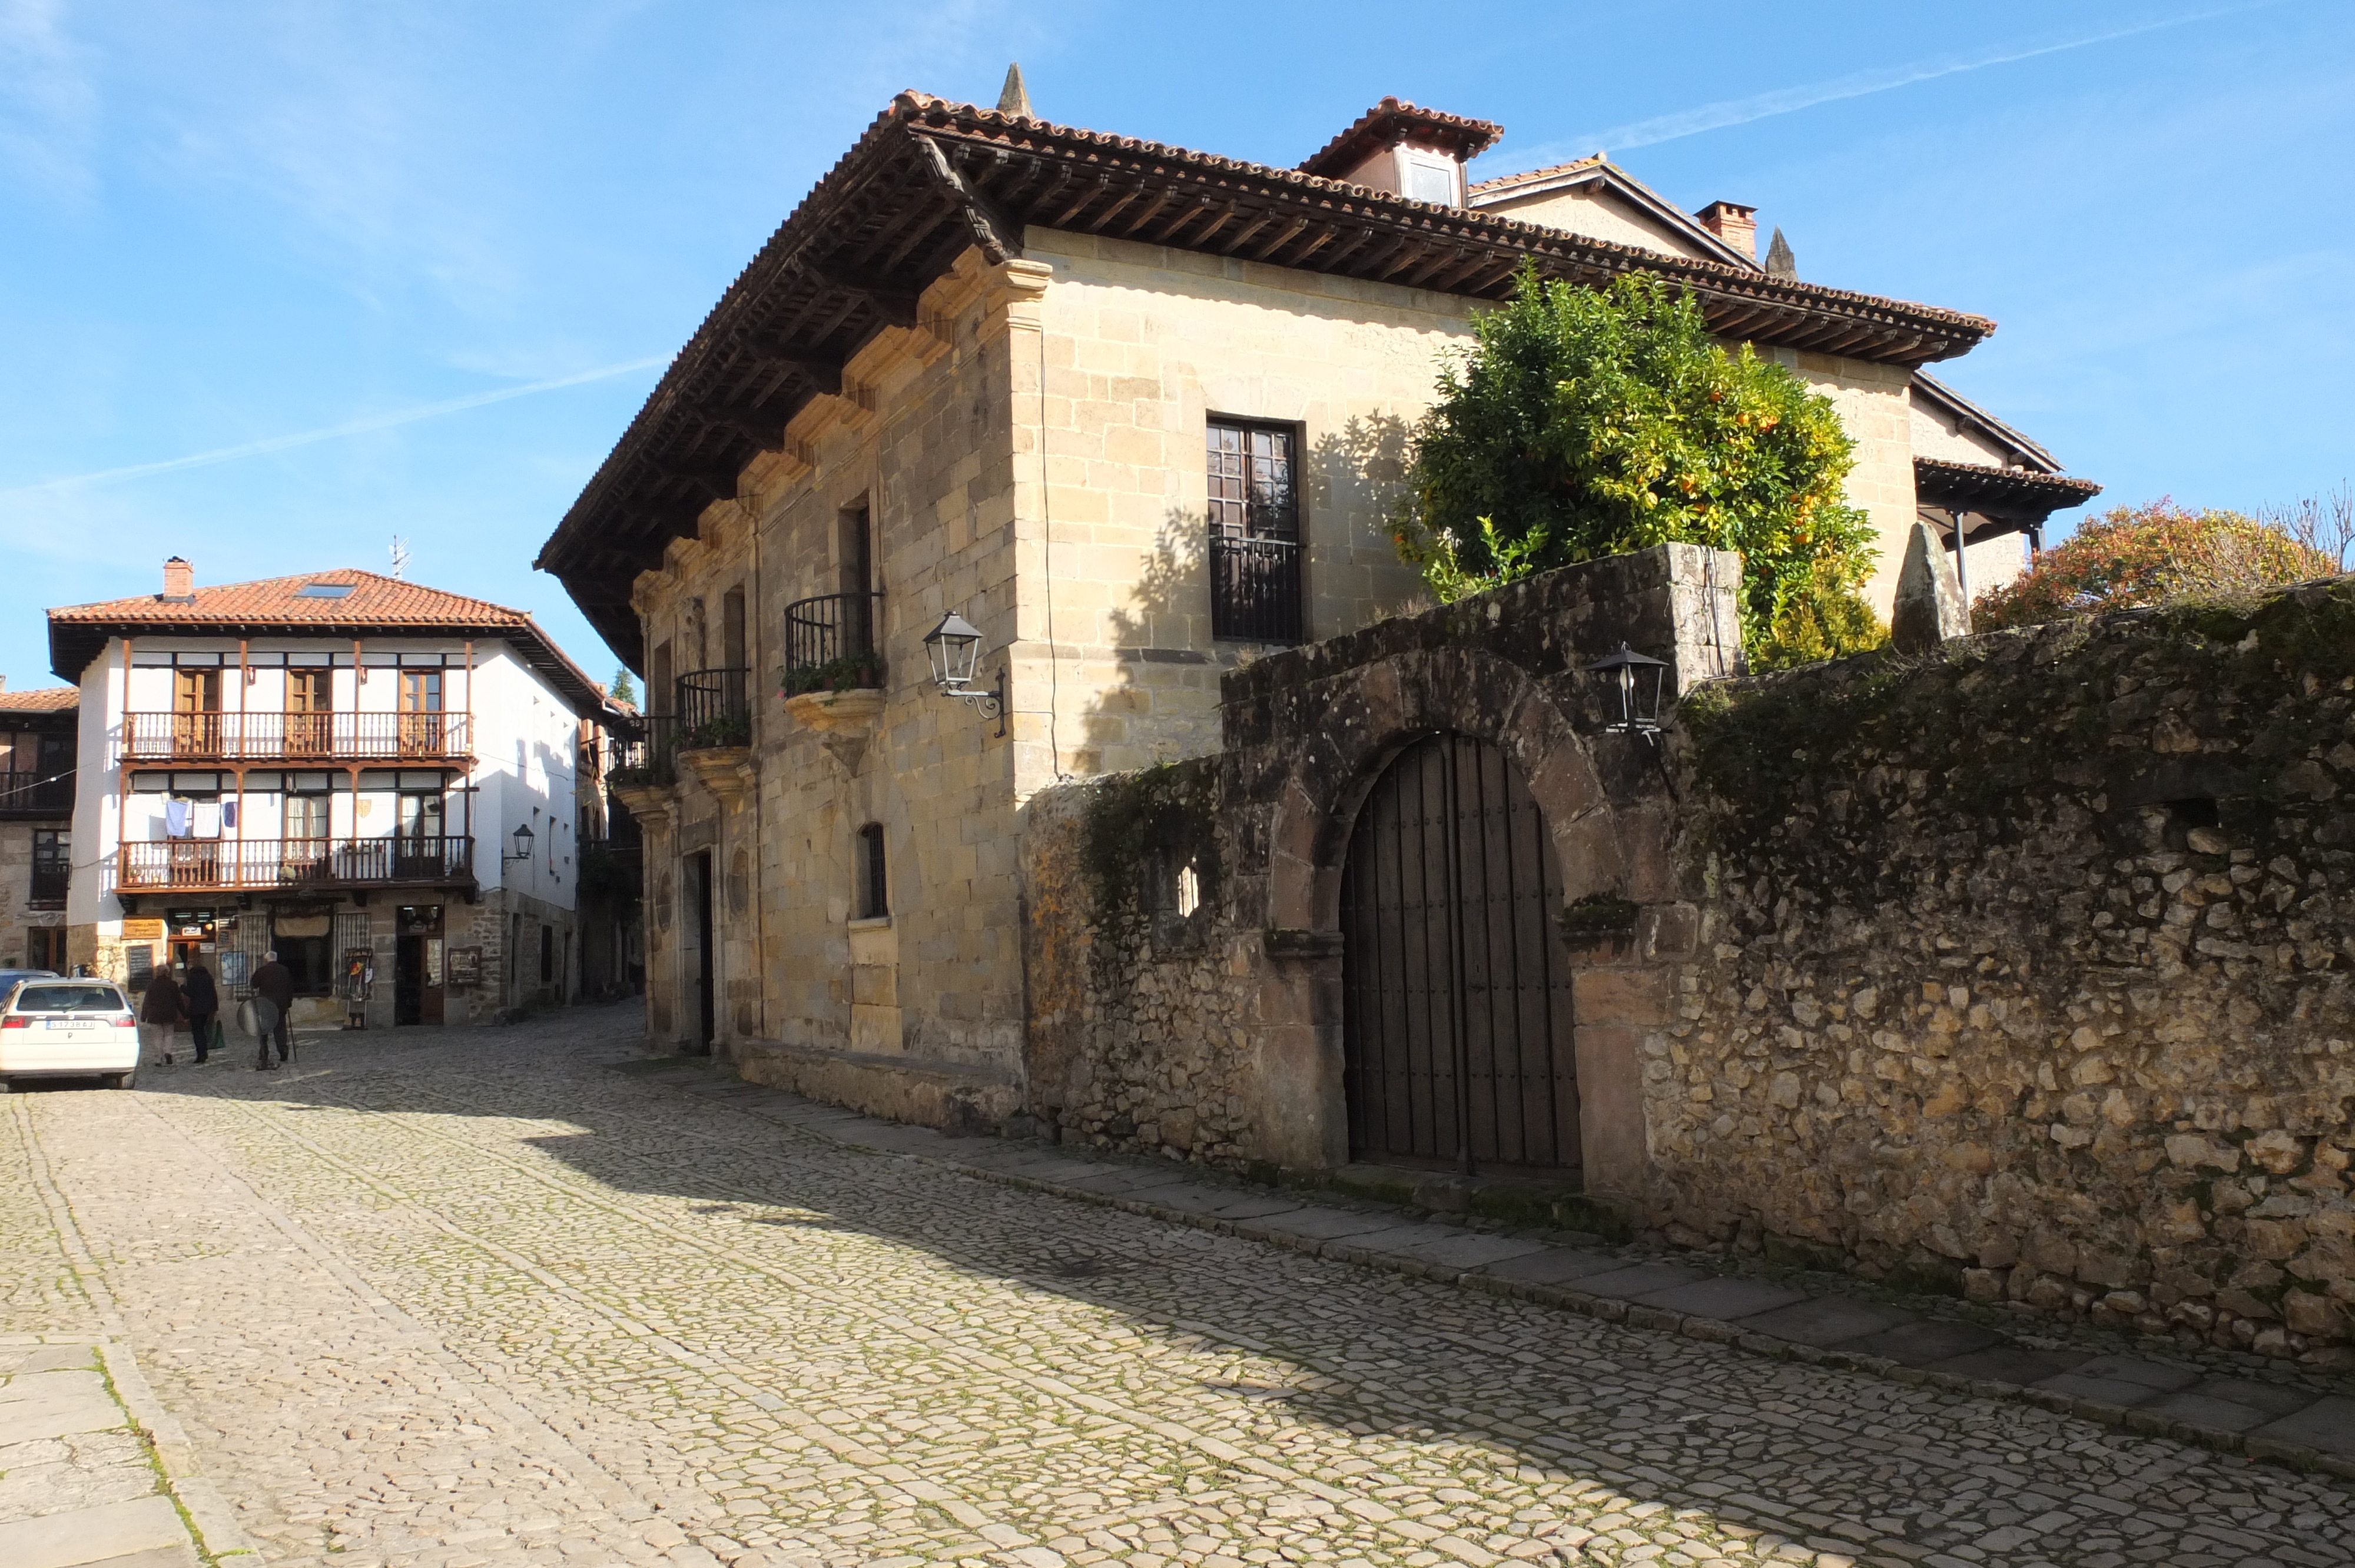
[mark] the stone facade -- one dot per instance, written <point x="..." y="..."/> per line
<point x="2018" y="969"/>
<point x="19" y="918"/>
<point x="1218" y="1036"/>
<point x="2024" y="967"/>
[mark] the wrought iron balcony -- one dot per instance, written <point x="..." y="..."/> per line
<point x="210" y="865"/>
<point x="36" y="794"/>
<point x="830" y="644"/>
<point x="296" y="738"/>
<point x="1254" y="588"/>
<point x="714" y="709"/>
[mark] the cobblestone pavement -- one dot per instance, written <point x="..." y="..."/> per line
<point x="460" y="1298"/>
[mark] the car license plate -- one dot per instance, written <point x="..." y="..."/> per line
<point x="66" y="1023"/>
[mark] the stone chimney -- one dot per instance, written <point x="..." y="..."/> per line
<point x="179" y="582"/>
<point x="1736" y="224"/>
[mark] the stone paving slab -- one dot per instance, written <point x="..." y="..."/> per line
<point x="1727" y="1300"/>
<point x="1826" y="1320"/>
<point x="1643" y="1279"/>
<point x="1552" y="1266"/>
<point x="89" y="1535"/>
<point x="1928" y="1340"/>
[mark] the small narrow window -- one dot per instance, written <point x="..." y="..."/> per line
<point x="874" y="887"/>
<point x="1254" y="533"/>
<point x="547" y="954"/>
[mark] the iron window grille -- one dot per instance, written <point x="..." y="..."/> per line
<point x="1255" y="587"/>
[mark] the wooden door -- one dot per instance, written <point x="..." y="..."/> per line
<point x="195" y="713"/>
<point x="420" y="713"/>
<point x="310" y="710"/>
<point x="1457" y="1022"/>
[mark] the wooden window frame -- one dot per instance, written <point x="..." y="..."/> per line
<point x="1258" y="564"/>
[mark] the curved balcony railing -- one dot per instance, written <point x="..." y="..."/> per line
<point x="830" y="644"/>
<point x="713" y="710"/>
<point x="223" y="865"/>
<point x="296" y="738"/>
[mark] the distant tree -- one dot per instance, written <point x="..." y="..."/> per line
<point x="1587" y="423"/>
<point x="624" y="691"/>
<point x="2159" y="553"/>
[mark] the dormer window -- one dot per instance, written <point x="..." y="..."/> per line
<point x="1428" y="177"/>
<point x="1395" y="147"/>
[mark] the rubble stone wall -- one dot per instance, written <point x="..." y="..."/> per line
<point x="2029" y="966"/>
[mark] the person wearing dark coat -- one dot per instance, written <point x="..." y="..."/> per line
<point x="273" y="983"/>
<point x="160" y="1013"/>
<point x="202" y="1000"/>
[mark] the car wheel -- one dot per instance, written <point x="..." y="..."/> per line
<point x="125" y="1080"/>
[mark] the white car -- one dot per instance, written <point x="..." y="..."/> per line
<point x="69" y="1029"/>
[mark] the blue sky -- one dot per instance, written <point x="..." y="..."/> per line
<point x="466" y="237"/>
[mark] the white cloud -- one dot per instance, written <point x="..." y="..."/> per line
<point x="1857" y="84"/>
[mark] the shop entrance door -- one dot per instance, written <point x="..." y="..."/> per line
<point x="417" y="979"/>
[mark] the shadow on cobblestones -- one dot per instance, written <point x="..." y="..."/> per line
<point x="806" y="1348"/>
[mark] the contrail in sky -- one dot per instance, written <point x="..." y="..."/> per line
<point x="1857" y="84"/>
<point x="331" y="432"/>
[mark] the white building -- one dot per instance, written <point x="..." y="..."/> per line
<point x="361" y="773"/>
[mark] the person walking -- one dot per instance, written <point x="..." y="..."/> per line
<point x="273" y="999"/>
<point x="202" y="1000"/>
<point x="160" y="1013"/>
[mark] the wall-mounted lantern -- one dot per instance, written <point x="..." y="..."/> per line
<point x="953" y="647"/>
<point x="1638" y="679"/>
<point x="523" y="836"/>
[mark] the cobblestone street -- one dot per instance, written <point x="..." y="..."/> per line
<point x="463" y="1298"/>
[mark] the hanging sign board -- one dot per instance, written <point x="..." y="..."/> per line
<point x="464" y="966"/>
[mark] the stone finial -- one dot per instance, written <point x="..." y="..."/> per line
<point x="1014" y="97"/>
<point x="1929" y="607"/>
<point x="1780" y="263"/>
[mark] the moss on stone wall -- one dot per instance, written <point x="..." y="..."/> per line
<point x="2032" y="964"/>
<point x="1137" y="824"/>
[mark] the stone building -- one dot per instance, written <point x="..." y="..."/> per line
<point x="36" y="803"/>
<point x="359" y="772"/>
<point x="1134" y="413"/>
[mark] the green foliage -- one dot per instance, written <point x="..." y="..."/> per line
<point x="622" y="690"/>
<point x="1137" y="824"/>
<point x="2155" y="553"/>
<point x="1585" y="424"/>
<point x="845" y="673"/>
<point x="719" y="730"/>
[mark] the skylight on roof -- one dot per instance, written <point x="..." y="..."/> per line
<point x="323" y="590"/>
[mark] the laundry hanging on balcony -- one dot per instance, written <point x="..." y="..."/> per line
<point x="207" y="821"/>
<point x="176" y="815"/>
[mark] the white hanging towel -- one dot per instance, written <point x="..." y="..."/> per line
<point x="208" y="824"/>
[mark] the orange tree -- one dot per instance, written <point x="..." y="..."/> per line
<point x="1587" y="423"/>
<point x="2151" y="553"/>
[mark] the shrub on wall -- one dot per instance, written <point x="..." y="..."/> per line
<point x="2160" y="553"/>
<point x="1586" y="423"/>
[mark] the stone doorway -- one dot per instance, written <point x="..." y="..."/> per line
<point x="1456" y="1023"/>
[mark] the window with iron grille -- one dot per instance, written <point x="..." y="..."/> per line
<point x="1254" y="532"/>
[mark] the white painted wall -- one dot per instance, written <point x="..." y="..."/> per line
<point x="524" y="735"/>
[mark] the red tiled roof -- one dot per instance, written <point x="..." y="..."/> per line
<point x="41" y="699"/>
<point x="376" y="601"/>
<point x="1391" y="120"/>
<point x="377" y="605"/>
<point x="1527" y="176"/>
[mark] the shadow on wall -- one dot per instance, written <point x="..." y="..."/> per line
<point x="1371" y="1360"/>
<point x="1162" y="702"/>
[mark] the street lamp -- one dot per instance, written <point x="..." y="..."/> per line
<point x="953" y="647"/>
<point x="523" y="836"/>
<point x="1639" y="712"/>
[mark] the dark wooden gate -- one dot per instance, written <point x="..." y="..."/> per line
<point x="1456" y="1026"/>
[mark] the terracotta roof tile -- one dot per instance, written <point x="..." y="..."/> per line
<point x="1527" y="176"/>
<point x="375" y="599"/>
<point x="41" y="699"/>
<point x="376" y="606"/>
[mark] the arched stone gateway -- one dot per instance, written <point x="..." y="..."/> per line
<point x="1457" y="1026"/>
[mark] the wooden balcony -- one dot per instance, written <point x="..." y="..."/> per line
<point x="227" y="865"/>
<point x="297" y="738"/>
<point x="36" y="794"/>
